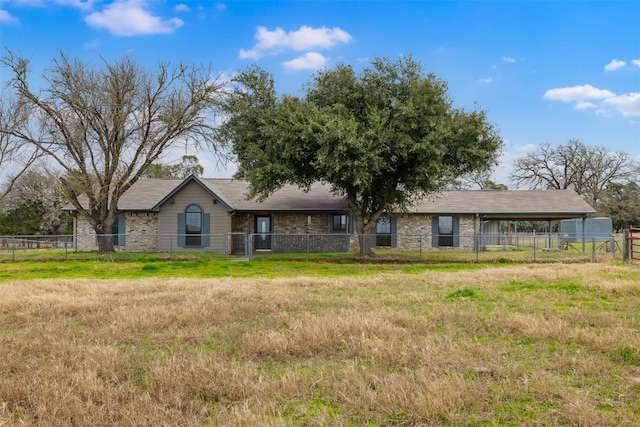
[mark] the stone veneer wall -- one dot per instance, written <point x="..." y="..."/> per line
<point x="411" y="227"/>
<point x="142" y="233"/>
<point x="290" y="230"/>
<point x="141" y="230"/>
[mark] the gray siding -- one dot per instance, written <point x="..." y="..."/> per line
<point x="219" y="223"/>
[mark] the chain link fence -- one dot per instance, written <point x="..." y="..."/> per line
<point x="523" y="247"/>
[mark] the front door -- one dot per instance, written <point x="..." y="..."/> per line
<point x="263" y="232"/>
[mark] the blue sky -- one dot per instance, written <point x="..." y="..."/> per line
<point x="546" y="72"/>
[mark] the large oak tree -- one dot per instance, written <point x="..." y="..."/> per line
<point x="586" y="169"/>
<point x="105" y="125"/>
<point x="382" y="138"/>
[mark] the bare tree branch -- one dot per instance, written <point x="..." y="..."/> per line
<point x="104" y="126"/>
<point x="15" y="155"/>
<point x="587" y="170"/>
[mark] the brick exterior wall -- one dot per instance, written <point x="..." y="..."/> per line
<point x="414" y="233"/>
<point x="410" y="227"/>
<point x="290" y="232"/>
<point x="141" y="233"/>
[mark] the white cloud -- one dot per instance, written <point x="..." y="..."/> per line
<point x="78" y="4"/>
<point x="615" y="64"/>
<point x="182" y="8"/>
<point x="305" y="38"/>
<point x="130" y="18"/>
<point x="486" y="80"/>
<point x="508" y="59"/>
<point x="577" y="93"/>
<point x="628" y="104"/>
<point x="636" y="62"/>
<point x="6" y="18"/>
<point x="584" y="105"/>
<point x="221" y="6"/>
<point x="310" y="61"/>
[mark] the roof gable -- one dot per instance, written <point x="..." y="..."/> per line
<point x="187" y="180"/>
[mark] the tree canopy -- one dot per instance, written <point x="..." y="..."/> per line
<point x="105" y="125"/>
<point x="34" y="205"/>
<point x="189" y="165"/>
<point x="382" y="138"/>
<point x="607" y="180"/>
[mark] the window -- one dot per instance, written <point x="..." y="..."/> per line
<point x="445" y="231"/>
<point x="193" y="225"/>
<point x="340" y="222"/>
<point x="383" y="232"/>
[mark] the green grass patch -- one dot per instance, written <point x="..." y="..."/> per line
<point x="145" y="267"/>
<point x="466" y="293"/>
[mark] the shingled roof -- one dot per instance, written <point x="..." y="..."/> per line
<point x="150" y="194"/>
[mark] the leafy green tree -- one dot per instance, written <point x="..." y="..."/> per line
<point x="480" y="179"/>
<point x="622" y="204"/>
<point x="383" y="138"/>
<point x="105" y="125"/>
<point x="22" y="220"/>
<point x="189" y="165"/>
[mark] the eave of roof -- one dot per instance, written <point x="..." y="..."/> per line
<point x="151" y="194"/>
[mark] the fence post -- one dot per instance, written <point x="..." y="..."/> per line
<point x="66" y="256"/>
<point x="421" y="247"/>
<point x="593" y="249"/>
<point x="476" y="238"/>
<point x="535" y="240"/>
<point x="612" y="242"/>
<point x="225" y="245"/>
<point x="171" y="248"/>
<point x="13" y="249"/>
<point x="626" y="245"/>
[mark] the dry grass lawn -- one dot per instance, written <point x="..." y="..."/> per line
<point x="523" y="345"/>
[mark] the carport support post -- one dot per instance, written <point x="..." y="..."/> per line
<point x="584" y="238"/>
<point x="549" y="235"/>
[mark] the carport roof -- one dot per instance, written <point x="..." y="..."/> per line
<point x="510" y="204"/>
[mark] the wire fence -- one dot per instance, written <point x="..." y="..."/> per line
<point x="524" y="247"/>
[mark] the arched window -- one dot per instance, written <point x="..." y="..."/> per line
<point x="193" y="225"/>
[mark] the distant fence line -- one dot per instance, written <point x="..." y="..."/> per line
<point x="532" y="246"/>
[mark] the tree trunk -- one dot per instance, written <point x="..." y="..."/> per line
<point x="105" y="244"/>
<point x="104" y="236"/>
<point x="364" y="236"/>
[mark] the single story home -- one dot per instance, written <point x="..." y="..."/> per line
<point x="202" y="214"/>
